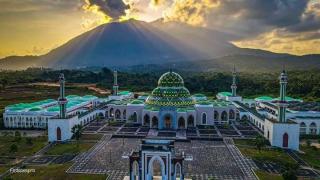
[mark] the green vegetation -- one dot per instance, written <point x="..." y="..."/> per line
<point x="9" y="146"/>
<point x="268" y="176"/>
<point x="91" y="137"/>
<point x="54" y="172"/>
<point x="311" y="156"/>
<point x="70" y="148"/>
<point x="277" y="156"/>
<point x="245" y="142"/>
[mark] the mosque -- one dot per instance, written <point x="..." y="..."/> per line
<point x="169" y="106"/>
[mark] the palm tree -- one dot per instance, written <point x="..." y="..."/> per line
<point x="77" y="132"/>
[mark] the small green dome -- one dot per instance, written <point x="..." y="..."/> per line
<point x="136" y="102"/>
<point x="170" y="79"/>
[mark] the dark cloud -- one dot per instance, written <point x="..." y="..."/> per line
<point x="112" y="8"/>
<point x="248" y="18"/>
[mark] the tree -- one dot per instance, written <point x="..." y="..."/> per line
<point x="308" y="142"/>
<point x="17" y="136"/>
<point x="290" y="172"/>
<point x="4" y="83"/>
<point x="29" y="141"/>
<point x="260" y="142"/>
<point x="77" y="131"/>
<point x="13" y="148"/>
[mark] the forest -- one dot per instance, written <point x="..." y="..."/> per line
<point x="301" y="84"/>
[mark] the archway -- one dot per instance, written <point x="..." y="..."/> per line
<point x="181" y="123"/>
<point x="146" y="120"/>
<point x="178" y="171"/>
<point x="216" y="115"/>
<point x="154" y="122"/>
<point x="231" y="114"/>
<point x="58" y="134"/>
<point x="191" y="121"/>
<point x="224" y="116"/>
<point x="135" y="170"/>
<point x="156" y="168"/>
<point x="244" y="118"/>
<point x="118" y="114"/>
<point x="204" y="118"/>
<point x="111" y="112"/>
<point x="285" y="141"/>
<point x="303" y="128"/>
<point x="124" y="114"/>
<point x="134" y="117"/>
<point x="313" y="128"/>
<point x="167" y="121"/>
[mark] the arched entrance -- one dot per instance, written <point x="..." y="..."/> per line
<point x="146" y="120"/>
<point x="191" y="121"/>
<point x="156" y="168"/>
<point x="285" y="140"/>
<point x="135" y="170"/>
<point x="167" y="121"/>
<point x="58" y="134"/>
<point x="178" y="171"/>
<point x="181" y="123"/>
<point x="224" y="116"/>
<point x="154" y="122"/>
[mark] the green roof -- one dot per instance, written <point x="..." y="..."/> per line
<point x="35" y="109"/>
<point x="289" y="99"/>
<point x="136" y="102"/>
<point x="53" y="109"/>
<point x="225" y="93"/>
<point x="124" y="92"/>
<point x="199" y="95"/>
<point x="204" y="103"/>
<point x="263" y="98"/>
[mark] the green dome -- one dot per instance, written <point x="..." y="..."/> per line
<point x="170" y="92"/>
<point x="35" y="109"/>
<point x="136" y="102"/>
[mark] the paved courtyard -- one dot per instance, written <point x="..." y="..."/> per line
<point x="217" y="159"/>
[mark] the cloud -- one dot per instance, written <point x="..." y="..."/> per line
<point x="192" y="12"/>
<point x="113" y="9"/>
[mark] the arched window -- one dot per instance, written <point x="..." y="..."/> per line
<point x="216" y="115"/>
<point x="231" y="114"/>
<point x="58" y="134"/>
<point x="313" y="128"/>
<point x="178" y="170"/>
<point x="124" y="114"/>
<point x="134" y="117"/>
<point x="224" y="116"/>
<point x="303" y="128"/>
<point x="204" y="118"/>
<point x="191" y="121"/>
<point x="285" y="140"/>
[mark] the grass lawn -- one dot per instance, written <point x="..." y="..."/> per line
<point x="268" y="176"/>
<point x="311" y="156"/>
<point x="245" y="142"/>
<point x="3" y="169"/>
<point x="69" y="148"/>
<point x="54" y="172"/>
<point x="273" y="155"/>
<point x="23" y="148"/>
<point x="91" y="137"/>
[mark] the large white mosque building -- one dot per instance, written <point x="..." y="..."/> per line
<point x="169" y="106"/>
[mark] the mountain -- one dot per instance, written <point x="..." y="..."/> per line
<point x="132" y="43"/>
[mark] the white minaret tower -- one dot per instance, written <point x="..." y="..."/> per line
<point x="62" y="101"/>
<point x="115" y="83"/>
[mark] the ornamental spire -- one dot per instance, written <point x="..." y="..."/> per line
<point x="115" y="83"/>
<point x="234" y="85"/>
<point x="62" y="101"/>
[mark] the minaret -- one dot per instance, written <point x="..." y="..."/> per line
<point x="234" y="85"/>
<point x="62" y="100"/>
<point x="282" y="104"/>
<point x="115" y="83"/>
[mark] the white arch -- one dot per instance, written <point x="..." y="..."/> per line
<point x="150" y="168"/>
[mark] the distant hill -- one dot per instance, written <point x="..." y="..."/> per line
<point x="134" y="44"/>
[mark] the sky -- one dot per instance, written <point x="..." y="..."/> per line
<point x="34" y="27"/>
